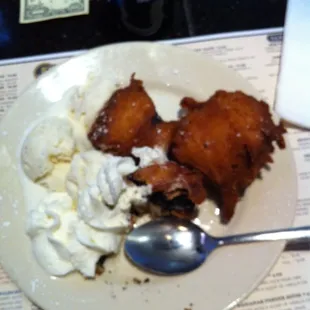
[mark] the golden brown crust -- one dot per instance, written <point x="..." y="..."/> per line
<point x="172" y="180"/>
<point x="128" y="120"/>
<point x="120" y="120"/>
<point x="228" y="138"/>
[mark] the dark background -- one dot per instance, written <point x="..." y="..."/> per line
<point x="183" y="18"/>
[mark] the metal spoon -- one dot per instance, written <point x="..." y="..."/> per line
<point x="173" y="246"/>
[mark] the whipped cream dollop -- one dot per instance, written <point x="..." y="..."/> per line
<point x="94" y="210"/>
<point x="53" y="141"/>
<point x="62" y="242"/>
<point x="148" y="156"/>
<point x="96" y="182"/>
<point x="83" y="172"/>
<point x="71" y="230"/>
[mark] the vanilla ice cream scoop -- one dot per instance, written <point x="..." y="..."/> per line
<point x="50" y="142"/>
<point x="63" y="243"/>
<point x="81" y="140"/>
<point x="48" y="150"/>
<point x="88" y="99"/>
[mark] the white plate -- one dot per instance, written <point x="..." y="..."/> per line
<point x="169" y="74"/>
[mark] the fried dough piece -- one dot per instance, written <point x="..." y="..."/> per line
<point x="119" y="121"/>
<point x="172" y="180"/>
<point x="128" y="120"/>
<point x="228" y="138"/>
<point x="179" y="206"/>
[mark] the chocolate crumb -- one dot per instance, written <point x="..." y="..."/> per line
<point x="191" y="304"/>
<point x="147" y="280"/>
<point x="187" y="309"/>
<point x="109" y="271"/>
<point x="137" y="281"/>
<point x="101" y="260"/>
<point x="99" y="270"/>
<point x="124" y="288"/>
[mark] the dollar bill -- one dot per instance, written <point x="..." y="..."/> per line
<point x="32" y="11"/>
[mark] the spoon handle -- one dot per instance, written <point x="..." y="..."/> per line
<point x="296" y="234"/>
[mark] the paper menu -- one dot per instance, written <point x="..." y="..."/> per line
<point x="255" y="56"/>
<point x="294" y="79"/>
<point x="287" y="287"/>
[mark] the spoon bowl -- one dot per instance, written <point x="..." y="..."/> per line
<point x="168" y="246"/>
<point x="172" y="246"/>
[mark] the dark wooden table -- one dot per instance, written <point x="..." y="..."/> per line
<point x="183" y="18"/>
